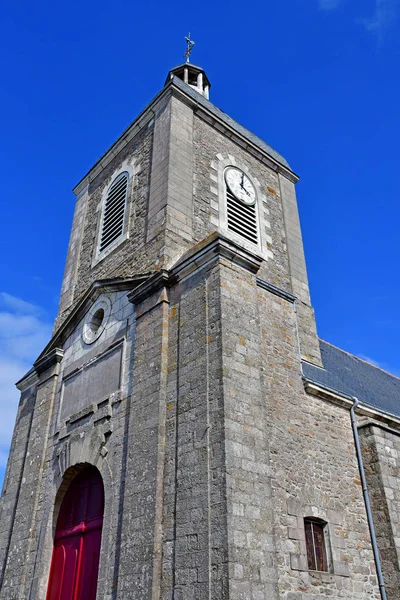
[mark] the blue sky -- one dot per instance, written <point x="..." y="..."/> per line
<point x="317" y="79"/>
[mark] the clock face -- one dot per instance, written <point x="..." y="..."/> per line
<point x="240" y="185"/>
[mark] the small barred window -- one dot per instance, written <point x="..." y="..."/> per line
<point x="113" y="220"/>
<point x="317" y="558"/>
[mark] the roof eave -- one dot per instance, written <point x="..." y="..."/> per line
<point x="346" y="401"/>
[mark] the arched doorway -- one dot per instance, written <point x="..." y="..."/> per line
<point x="76" y="553"/>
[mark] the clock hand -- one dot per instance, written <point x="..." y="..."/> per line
<point x="242" y="186"/>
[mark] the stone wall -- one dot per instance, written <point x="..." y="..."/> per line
<point x="26" y="501"/>
<point x="175" y="201"/>
<point x="194" y="549"/>
<point x="13" y="480"/>
<point x="137" y="154"/>
<point x="52" y="441"/>
<point x="314" y="471"/>
<point x="139" y="568"/>
<point x="211" y="453"/>
<point x="381" y="455"/>
<point x="283" y="459"/>
<point x="209" y="144"/>
<point x="133" y="255"/>
<point x="281" y="239"/>
<point x="251" y="539"/>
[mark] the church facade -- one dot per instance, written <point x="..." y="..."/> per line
<point x="185" y="434"/>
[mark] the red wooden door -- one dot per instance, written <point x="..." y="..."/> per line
<point x="76" y="554"/>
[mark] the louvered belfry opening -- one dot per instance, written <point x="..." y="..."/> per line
<point x="114" y="212"/>
<point x="242" y="218"/>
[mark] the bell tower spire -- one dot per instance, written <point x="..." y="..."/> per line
<point x="193" y="75"/>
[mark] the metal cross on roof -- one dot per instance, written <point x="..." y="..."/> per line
<point x="190" y="44"/>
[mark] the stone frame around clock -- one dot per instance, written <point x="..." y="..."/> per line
<point x="218" y="166"/>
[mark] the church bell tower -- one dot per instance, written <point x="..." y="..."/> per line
<point x="148" y="459"/>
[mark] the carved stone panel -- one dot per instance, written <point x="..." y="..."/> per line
<point x="92" y="384"/>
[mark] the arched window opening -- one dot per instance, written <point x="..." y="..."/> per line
<point x="76" y="553"/>
<point x="317" y="544"/>
<point x="114" y="209"/>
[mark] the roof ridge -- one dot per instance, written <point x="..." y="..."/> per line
<point x="360" y="359"/>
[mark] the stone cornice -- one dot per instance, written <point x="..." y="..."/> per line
<point x="48" y="361"/>
<point x="28" y="380"/>
<point x="176" y="88"/>
<point x="209" y="250"/>
<point x="373" y="423"/>
<point x="91" y="295"/>
<point x="275" y="290"/>
<point x="214" y="246"/>
<point x="155" y="283"/>
<point x="347" y="402"/>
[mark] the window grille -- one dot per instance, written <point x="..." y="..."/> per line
<point x="242" y="218"/>
<point x="316" y="545"/>
<point x="113" y="221"/>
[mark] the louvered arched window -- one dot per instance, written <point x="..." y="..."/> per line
<point x="114" y="212"/>
<point x="241" y="204"/>
<point x="242" y="219"/>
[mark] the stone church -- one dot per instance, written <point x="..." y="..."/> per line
<point x="185" y="435"/>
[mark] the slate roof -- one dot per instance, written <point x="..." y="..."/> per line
<point x="352" y="376"/>
<point x="229" y="121"/>
<point x="201" y="101"/>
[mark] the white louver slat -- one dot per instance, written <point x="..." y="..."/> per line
<point x="114" y="212"/>
<point x="242" y="218"/>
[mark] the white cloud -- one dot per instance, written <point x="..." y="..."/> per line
<point x="371" y="361"/>
<point x="380" y="365"/>
<point x="24" y="331"/>
<point x="329" y="4"/>
<point x="384" y="16"/>
<point x="386" y="12"/>
<point x="17" y="305"/>
<point x="22" y="336"/>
